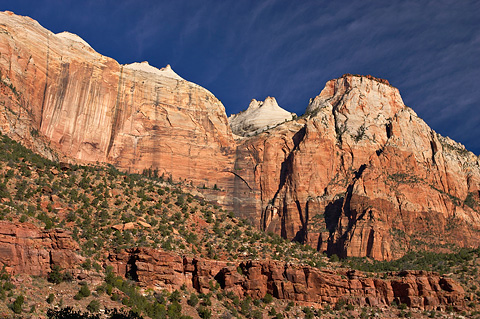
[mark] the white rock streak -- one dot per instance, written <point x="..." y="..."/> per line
<point x="145" y="67"/>
<point x="72" y="37"/>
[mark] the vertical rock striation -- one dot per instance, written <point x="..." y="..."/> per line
<point x="358" y="175"/>
<point x="361" y="175"/>
<point x="90" y="108"/>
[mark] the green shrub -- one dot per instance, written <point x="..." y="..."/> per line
<point x="50" y="298"/>
<point x="204" y="312"/>
<point x="268" y="298"/>
<point x="83" y="292"/>
<point x="93" y="306"/>
<point x="55" y="276"/>
<point x="17" y="304"/>
<point x="193" y="300"/>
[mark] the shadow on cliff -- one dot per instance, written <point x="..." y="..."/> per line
<point x="339" y="236"/>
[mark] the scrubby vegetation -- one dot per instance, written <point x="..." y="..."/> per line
<point x="106" y="210"/>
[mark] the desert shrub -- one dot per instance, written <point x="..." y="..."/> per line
<point x="17" y="304"/>
<point x="83" y="292"/>
<point x="193" y="300"/>
<point x="204" y="312"/>
<point x="93" y="306"/>
<point x="55" y="276"/>
<point x="268" y="298"/>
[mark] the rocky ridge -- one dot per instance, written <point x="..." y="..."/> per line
<point x="28" y="250"/>
<point x="81" y="224"/>
<point x="361" y="175"/>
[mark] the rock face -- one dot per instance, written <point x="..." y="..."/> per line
<point x="161" y="270"/>
<point x="258" y="117"/>
<point x="25" y="249"/>
<point x="91" y="108"/>
<point x="358" y="175"/>
<point x="361" y="175"/>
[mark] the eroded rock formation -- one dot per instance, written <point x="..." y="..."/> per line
<point x="161" y="270"/>
<point x="91" y="108"/>
<point x="358" y="175"/>
<point x="361" y="175"/>
<point x="26" y="249"/>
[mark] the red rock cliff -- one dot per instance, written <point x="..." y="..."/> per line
<point x="163" y="270"/>
<point x="359" y="175"/>
<point x="90" y="108"/>
<point x="362" y="175"/>
<point x="26" y="249"/>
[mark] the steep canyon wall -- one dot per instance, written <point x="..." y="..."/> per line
<point x="360" y="174"/>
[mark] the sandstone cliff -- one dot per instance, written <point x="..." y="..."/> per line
<point x="259" y="116"/>
<point x="90" y="108"/>
<point x="26" y="249"/>
<point x="361" y="175"/>
<point x="307" y="285"/>
<point x="358" y="175"/>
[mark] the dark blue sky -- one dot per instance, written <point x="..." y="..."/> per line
<point x="239" y="49"/>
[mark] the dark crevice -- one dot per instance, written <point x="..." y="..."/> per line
<point x="319" y="242"/>
<point x="434" y="148"/>
<point x="132" y="268"/>
<point x="333" y="212"/>
<point x="241" y="178"/>
<point x="220" y="278"/>
<point x="388" y="128"/>
<point x="286" y="167"/>
<point x="371" y="238"/>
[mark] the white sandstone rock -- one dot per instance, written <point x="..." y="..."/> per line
<point x="258" y="117"/>
<point x="145" y="67"/>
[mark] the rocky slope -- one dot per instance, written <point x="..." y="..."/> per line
<point x="258" y="117"/>
<point x="28" y="250"/>
<point x="358" y="175"/>
<point x="80" y="226"/>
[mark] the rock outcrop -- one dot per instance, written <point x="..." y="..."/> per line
<point x="258" y="117"/>
<point x="26" y="249"/>
<point x="304" y="284"/>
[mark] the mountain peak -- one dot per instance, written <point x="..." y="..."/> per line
<point x="259" y="116"/>
<point x="367" y="93"/>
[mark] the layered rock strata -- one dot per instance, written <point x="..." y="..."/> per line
<point x="362" y="175"/>
<point x="26" y="249"/>
<point x="304" y="284"/>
